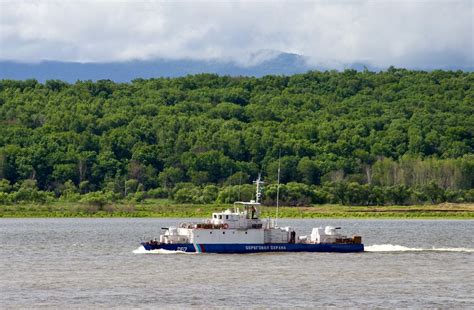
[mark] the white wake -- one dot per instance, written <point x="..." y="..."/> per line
<point x="142" y="250"/>
<point x="400" y="248"/>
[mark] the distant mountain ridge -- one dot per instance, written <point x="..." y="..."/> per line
<point x="279" y="64"/>
<point x="261" y="63"/>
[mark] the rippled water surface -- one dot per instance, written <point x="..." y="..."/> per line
<point x="94" y="263"/>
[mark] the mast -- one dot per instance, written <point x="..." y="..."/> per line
<point x="278" y="190"/>
<point x="258" y="182"/>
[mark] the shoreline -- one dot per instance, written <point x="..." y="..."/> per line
<point x="165" y="209"/>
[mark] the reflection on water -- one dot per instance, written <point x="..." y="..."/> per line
<point x="90" y="263"/>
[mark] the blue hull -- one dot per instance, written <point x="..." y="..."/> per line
<point x="256" y="248"/>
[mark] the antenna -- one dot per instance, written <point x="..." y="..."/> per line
<point x="278" y="189"/>
<point x="240" y="182"/>
<point x="230" y="186"/>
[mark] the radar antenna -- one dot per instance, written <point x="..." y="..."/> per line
<point x="258" y="182"/>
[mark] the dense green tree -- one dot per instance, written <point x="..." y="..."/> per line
<point x="308" y="171"/>
<point x="396" y="136"/>
<point x="5" y="186"/>
<point x="170" y="176"/>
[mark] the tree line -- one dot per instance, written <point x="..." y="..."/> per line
<point x="396" y="136"/>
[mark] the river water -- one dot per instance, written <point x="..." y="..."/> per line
<point x="97" y="263"/>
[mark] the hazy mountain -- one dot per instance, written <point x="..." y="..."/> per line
<point x="278" y="63"/>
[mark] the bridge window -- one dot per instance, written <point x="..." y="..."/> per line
<point x="215" y="216"/>
<point x="226" y="217"/>
<point x="220" y="217"/>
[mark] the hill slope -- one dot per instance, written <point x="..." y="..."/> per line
<point x="349" y="131"/>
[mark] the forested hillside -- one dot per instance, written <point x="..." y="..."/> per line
<point x="349" y="137"/>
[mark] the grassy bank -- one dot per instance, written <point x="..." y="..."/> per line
<point x="165" y="208"/>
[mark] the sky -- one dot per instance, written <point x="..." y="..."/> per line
<point x="415" y="33"/>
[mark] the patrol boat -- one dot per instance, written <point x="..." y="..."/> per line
<point x="240" y="230"/>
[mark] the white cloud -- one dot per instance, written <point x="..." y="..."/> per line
<point x="403" y="33"/>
